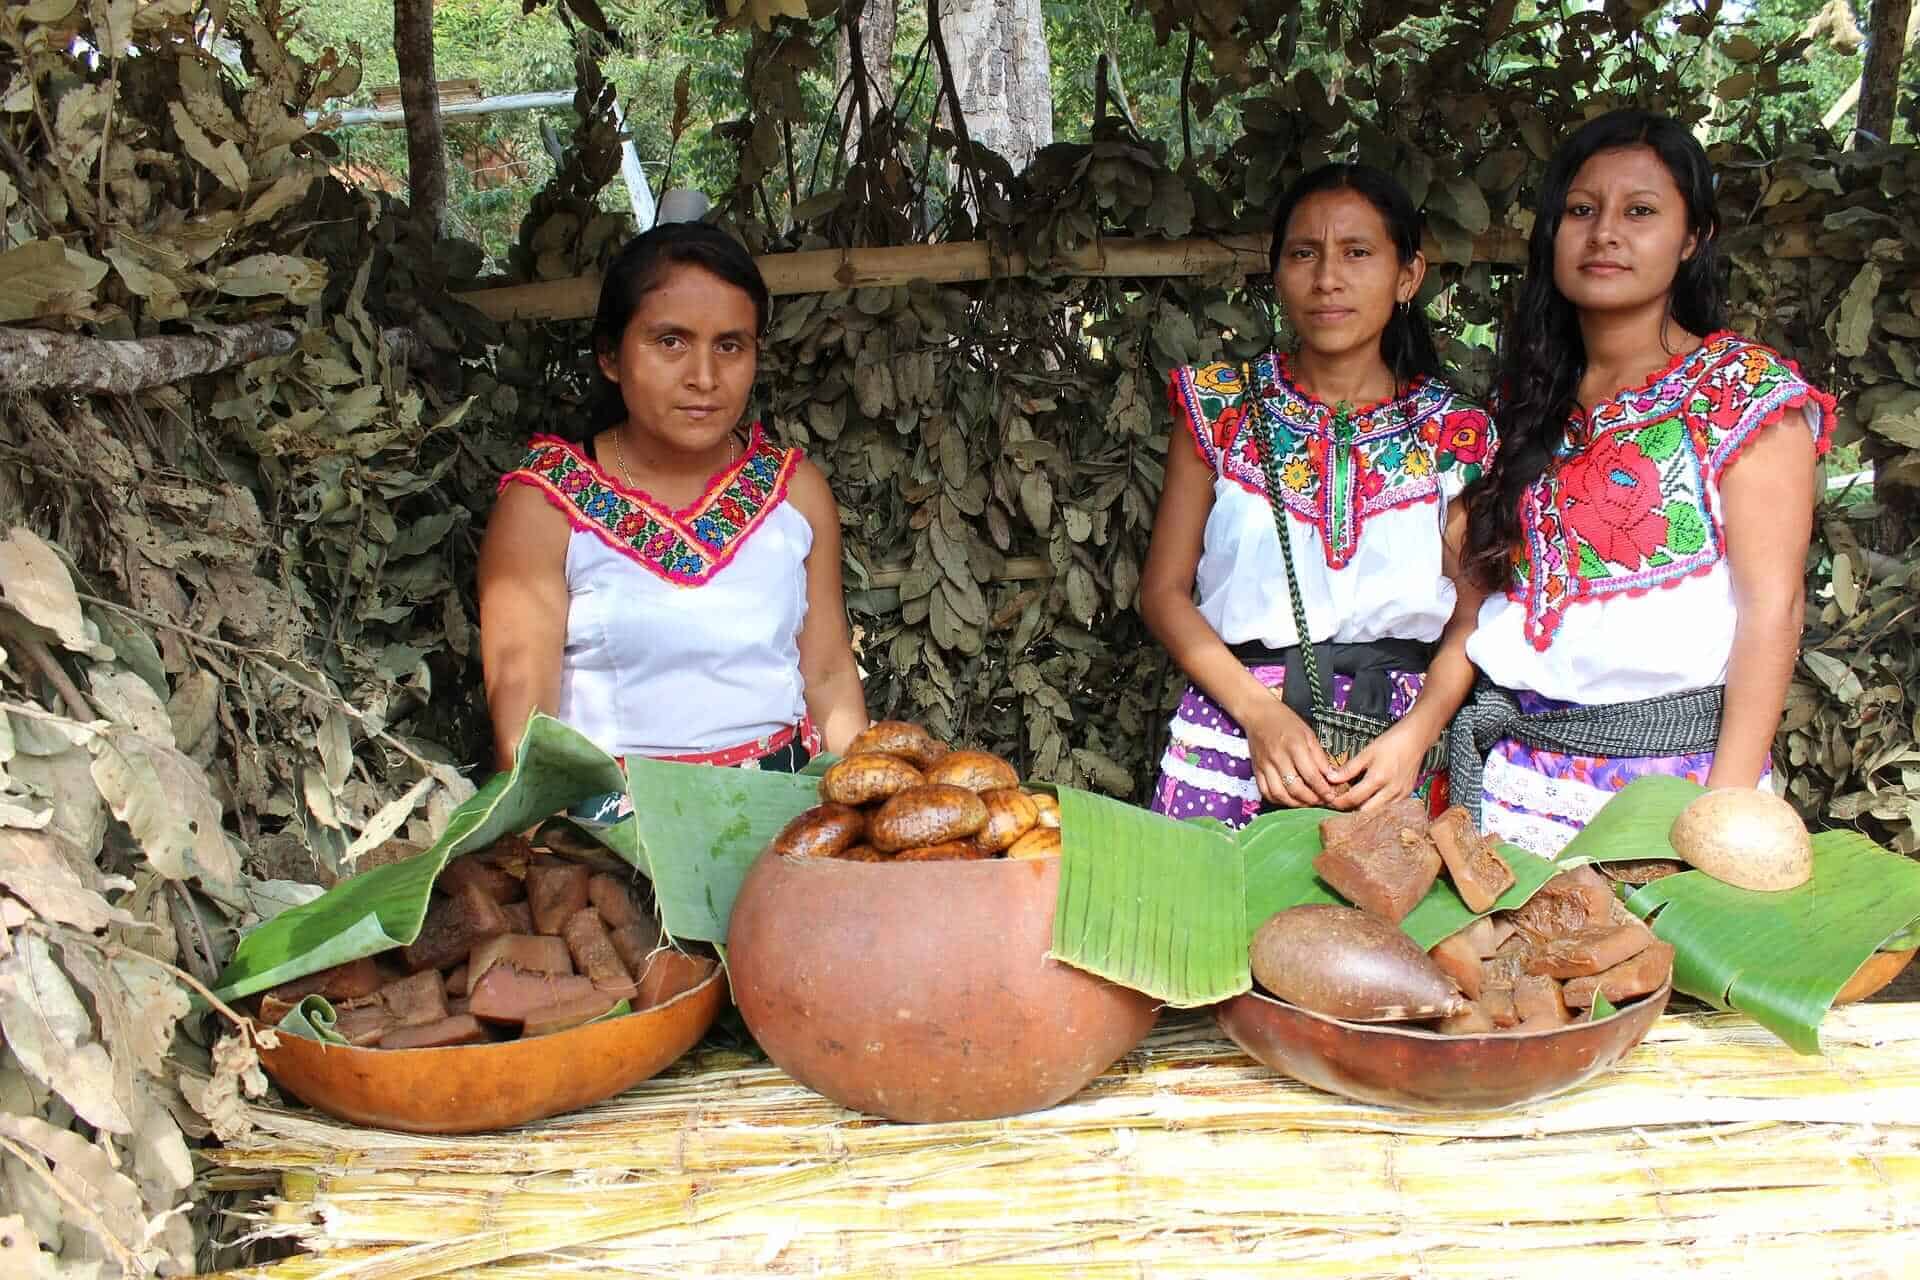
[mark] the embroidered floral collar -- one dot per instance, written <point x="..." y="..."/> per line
<point x="687" y="546"/>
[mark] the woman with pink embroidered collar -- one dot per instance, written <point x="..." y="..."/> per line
<point x="1645" y="526"/>
<point x="1355" y="449"/>
<point x="669" y="585"/>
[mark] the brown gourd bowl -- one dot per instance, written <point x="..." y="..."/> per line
<point x="479" y="1087"/>
<point x="1880" y="969"/>
<point x="1416" y="1070"/>
<point x="922" y="991"/>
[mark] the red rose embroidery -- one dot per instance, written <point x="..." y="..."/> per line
<point x="1464" y="435"/>
<point x="1227" y="426"/>
<point x="1611" y="501"/>
<point x="632" y="525"/>
<point x="733" y="511"/>
<point x="1371" y="482"/>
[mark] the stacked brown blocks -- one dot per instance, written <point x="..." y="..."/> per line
<point x="514" y="944"/>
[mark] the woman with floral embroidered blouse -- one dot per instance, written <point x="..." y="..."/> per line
<point x="670" y="585"/>
<point x="1645" y="526"/>
<point x="1368" y="448"/>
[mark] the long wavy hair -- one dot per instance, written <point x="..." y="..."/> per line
<point x="1542" y="354"/>
<point x="1406" y="344"/>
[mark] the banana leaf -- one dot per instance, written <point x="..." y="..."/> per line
<point x="1148" y="902"/>
<point x="1779" y="958"/>
<point x="554" y="768"/>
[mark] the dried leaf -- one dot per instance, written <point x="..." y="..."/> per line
<point x="109" y="1201"/>
<point x="127" y="699"/>
<point x="223" y="160"/>
<point x="163" y="798"/>
<point x="58" y="885"/>
<point x="220" y="1098"/>
<point x="34" y="580"/>
<point x="49" y="1030"/>
<point x="36" y="276"/>
<point x="384" y="824"/>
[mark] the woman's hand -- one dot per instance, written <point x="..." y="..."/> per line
<point x="1290" y="766"/>
<point x="1387" y="769"/>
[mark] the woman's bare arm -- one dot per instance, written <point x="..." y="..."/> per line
<point x="835" y="698"/>
<point x="522" y="584"/>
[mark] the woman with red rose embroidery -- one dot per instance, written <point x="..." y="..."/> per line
<point x="1649" y="513"/>
<point x="1363" y="446"/>
<point x="670" y="586"/>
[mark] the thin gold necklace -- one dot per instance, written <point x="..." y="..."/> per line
<point x="620" y="457"/>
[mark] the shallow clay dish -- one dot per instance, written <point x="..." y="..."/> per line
<point x="1416" y="1070"/>
<point x="475" y="1088"/>
<point x="922" y="991"/>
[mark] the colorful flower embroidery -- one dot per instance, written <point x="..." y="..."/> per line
<point x="686" y="547"/>
<point x="1337" y="467"/>
<point x="1629" y="502"/>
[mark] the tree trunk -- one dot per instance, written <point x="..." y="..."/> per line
<point x="420" y="99"/>
<point x="1880" y="79"/>
<point x="1001" y="69"/>
<point x="876" y="27"/>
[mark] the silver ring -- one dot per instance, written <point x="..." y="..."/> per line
<point x="1289" y="778"/>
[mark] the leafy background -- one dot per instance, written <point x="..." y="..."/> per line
<point x="236" y="609"/>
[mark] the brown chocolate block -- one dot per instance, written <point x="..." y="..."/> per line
<point x="506" y="994"/>
<point x="1470" y="1021"/>
<point x="1538" y="1000"/>
<point x="519" y="915"/>
<point x="457" y="1005"/>
<point x="593" y="952"/>
<point x="1487" y="933"/>
<point x="454" y="927"/>
<point x="1478" y="873"/>
<point x="1639" y="976"/>
<point x="1571" y="901"/>
<point x="571" y="1012"/>
<point x="417" y="1000"/>
<point x="354" y="980"/>
<point x="365" y="1024"/>
<point x="1590" y="951"/>
<point x="555" y="890"/>
<point x="635" y="942"/>
<point x="610" y="898"/>
<point x="529" y="952"/>
<point x="461" y="1028"/>
<point x="482" y="875"/>
<point x="1459" y="960"/>
<point x="273" y="1009"/>
<point x="457" y="980"/>
<point x="1498" y="1004"/>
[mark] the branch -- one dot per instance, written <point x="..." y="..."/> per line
<point x="420" y="99"/>
<point x="1186" y="85"/>
<point x="41" y="360"/>
<point x="49" y="666"/>
<point x="959" y="121"/>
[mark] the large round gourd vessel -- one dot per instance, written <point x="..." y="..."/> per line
<point x="480" y="1087"/>
<point x="922" y="991"/>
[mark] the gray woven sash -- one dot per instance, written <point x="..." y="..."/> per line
<point x="1676" y="724"/>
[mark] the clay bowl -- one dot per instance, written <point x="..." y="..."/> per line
<point x="1417" y="1070"/>
<point x="922" y="991"/>
<point x="475" y="1088"/>
<point x="1881" y="968"/>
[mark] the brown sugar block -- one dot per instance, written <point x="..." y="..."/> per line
<point x="611" y="899"/>
<point x="1538" y="1000"/>
<point x="364" y="1025"/>
<point x="633" y="943"/>
<point x="418" y="999"/>
<point x="1382" y="862"/>
<point x="945" y="851"/>
<point x="670" y="973"/>
<point x="457" y="1005"/>
<point x="555" y="890"/>
<point x="974" y="770"/>
<point x="1487" y="933"/>
<point x="571" y="1012"/>
<point x="530" y="952"/>
<point x="1459" y="960"/>
<point x="1571" y="901"/>
<point x="1470" y="1021"/>
<point x="1011" y="813"/>
<point x="457" y="981"/>
<point x="926" y="815"/>
<point x="519" y="915"/>
<point x="1479" y="874"/>
<point x="1497" y="1002"/>
<point x="1642" y="975"/>
<point x="1590" y="951"/>
<point x="354" y="980"/>
<point x="454" y="927"/>
<point x="592" y="950"/>
<point x="506" y="994"/>
<point x="273" y="1009"/>
<point x="482" y="875"/>
<point x="455" y="1029"/>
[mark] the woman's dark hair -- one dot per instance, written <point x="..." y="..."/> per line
<point x="641" y="267"/>
<point x="1406" y="344"/>
<point x="1542" y="355"/>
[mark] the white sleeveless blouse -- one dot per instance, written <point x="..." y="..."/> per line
<point x="683" y="627"/>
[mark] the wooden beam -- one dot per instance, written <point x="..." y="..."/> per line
<point x="1018" y="569"/>
<point x="824" y="270"/>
